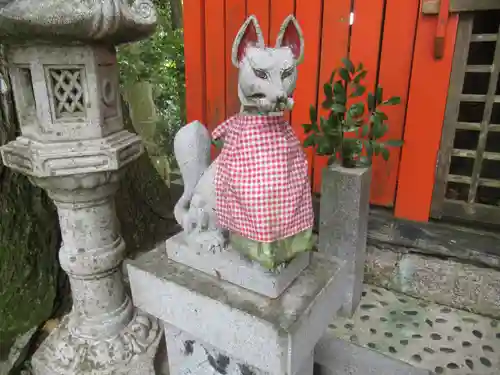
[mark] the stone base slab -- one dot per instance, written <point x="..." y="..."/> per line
<point x="275" y="336"/>
<point x="132" y="352"/>
<point x="335" y="356"/>
<point x="229" y="265"/>
<point x="190" y="356"/>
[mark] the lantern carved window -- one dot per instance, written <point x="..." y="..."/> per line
<point x="68" y="97"/>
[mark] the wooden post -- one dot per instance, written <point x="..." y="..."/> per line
<point x="394" y="76"/>
<point x="424" y="120"/>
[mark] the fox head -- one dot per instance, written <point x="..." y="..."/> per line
<point x="267" y="76"/>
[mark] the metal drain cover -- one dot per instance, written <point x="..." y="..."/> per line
<point x="425" y="335"/>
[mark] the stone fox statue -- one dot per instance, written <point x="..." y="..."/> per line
<point x="257" y="190"/>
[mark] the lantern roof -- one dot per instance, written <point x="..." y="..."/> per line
<point x="87" y="21"/>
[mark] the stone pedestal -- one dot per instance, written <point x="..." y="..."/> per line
<point x="344" y="209"/>
<point x="213" y="325"/>
<point x="73" y="145"/>
<point x="103" y="334"/>
<point x="228" y="265"/>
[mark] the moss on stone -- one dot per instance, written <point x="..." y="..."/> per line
<point x="29" y="241"/>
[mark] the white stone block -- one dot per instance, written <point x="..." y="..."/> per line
<point x="343" y="227"/>
<point x="229" y="265"/>
<point x="273" y="335"/>
<point x="189" y="355"/>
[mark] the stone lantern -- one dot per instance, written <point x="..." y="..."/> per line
<point x="62" y="63"/>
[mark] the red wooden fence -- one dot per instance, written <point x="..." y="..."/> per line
<point x="393" y="40"/>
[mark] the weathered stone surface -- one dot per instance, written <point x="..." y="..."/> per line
<point x="229" y="265"/>
<point x="102" y="320"/>
<point x="110" y="21"/>
<point x="381" y="266"/>
<point x="132" y="351"/>
<point x="189" y="355"/>
<point x="426" y="277"/>
<point x="460" y="285"/>
<point x="345" y="195"/>
<point x="489" y="299"/>
<point x="43" y="160"/>
<point x="467" y="287"/>
<point x="436" y="238"/>
<point x="274" y="335"/>
<point x="69" y="86"/>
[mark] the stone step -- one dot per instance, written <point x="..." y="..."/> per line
<point x="447" y="281"/>
<point x="394" y="334"/>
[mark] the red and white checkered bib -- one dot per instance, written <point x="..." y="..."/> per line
<point x="262" y="184"/>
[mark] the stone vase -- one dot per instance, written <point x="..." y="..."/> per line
<point x="344" y="208"/>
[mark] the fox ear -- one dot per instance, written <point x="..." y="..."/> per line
<point x="249" y="34"/>
<point x="291" y="36"/>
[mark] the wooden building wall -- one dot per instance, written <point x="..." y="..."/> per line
<point x="392" y="38"/>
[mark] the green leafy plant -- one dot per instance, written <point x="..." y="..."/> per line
<point x="159" y="60"/>
<point x="348" y="114"/>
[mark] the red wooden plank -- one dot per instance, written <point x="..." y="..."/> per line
<point x="424" y="120"/>
<point x="334" y="43"/>
<point x="234" y="18"/>
<point x="365" y="38"/>
<point x="261" y="9"/>
<point x="394" y="77"/>
<point x="307" y="12"/>
<point x="215" y="62"/>
<point x="280" y="9"/>
<point x="194" y="54"/>
<point x="365" y="46"/>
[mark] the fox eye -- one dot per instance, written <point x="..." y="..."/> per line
<point x="286" y="73"/>
<point x="262" y="74"/>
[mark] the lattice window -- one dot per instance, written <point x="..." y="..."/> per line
<point x="468" y="178"/>
<point x="67" y="92"/>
